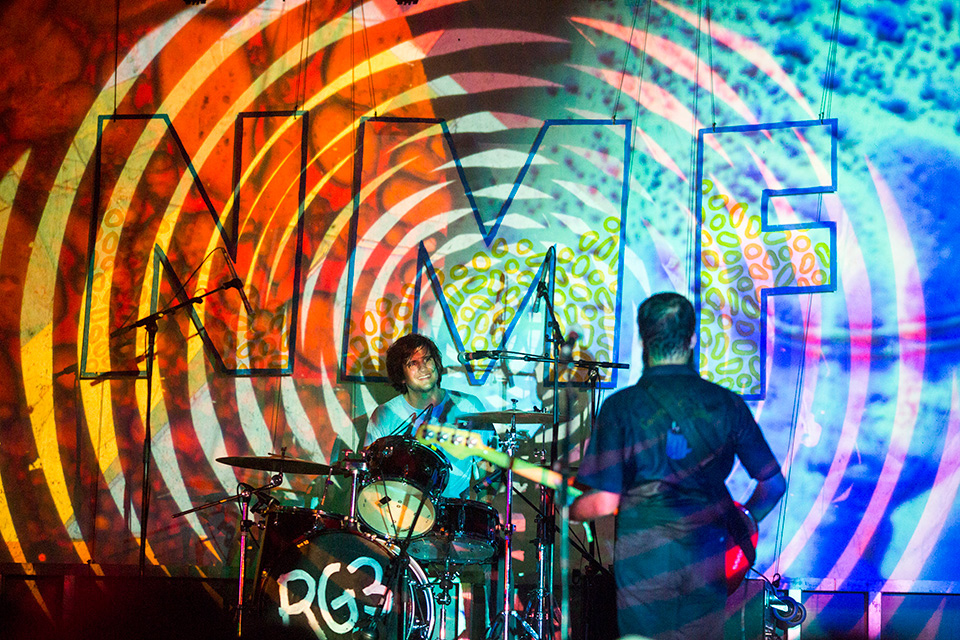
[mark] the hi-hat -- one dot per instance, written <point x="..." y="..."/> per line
<point x="509" y="417"/>
<point x="280" y="464"/>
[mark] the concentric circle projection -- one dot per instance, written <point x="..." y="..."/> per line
<point x="366" y="169"/>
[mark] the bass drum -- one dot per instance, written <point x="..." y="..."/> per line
<point x="334" y="584"/>
<point x="287" y="526"/>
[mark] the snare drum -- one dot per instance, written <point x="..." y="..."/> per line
<point x="466" y="532"/>
<point x="335" y="583"/>
<point x="403" y="474"/>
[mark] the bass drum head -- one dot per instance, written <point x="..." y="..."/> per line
<point x="334" y="583"/>
<point x="392" y="508"/>
<point x="404" y="478"/>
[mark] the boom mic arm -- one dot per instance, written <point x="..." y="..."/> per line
<point x="478" y="355"/>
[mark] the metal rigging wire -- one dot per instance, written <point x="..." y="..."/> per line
<point x="366" y="53"/>
<point x="713" y="95"/>
<point x="694" y="186"/>
<point x="626" y="57"/>
<point x="826" y="97"/>
<point x="825" y="104"/>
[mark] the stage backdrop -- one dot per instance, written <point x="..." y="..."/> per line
<point x="367" y="169"/>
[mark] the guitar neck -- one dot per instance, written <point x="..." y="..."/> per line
<point x="461" y="443"/>
<point x="529" y="471"/>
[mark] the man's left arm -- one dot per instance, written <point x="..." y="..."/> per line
<point x="757" y="458"/>
<point x="766" y="495"/>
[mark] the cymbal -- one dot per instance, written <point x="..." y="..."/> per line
<point x="279" y="464"/>
<point x="508" y="417"/>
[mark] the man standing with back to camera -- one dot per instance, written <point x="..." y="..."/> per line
<point x="658" y="459"/>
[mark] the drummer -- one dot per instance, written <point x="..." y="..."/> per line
<point x="415" y="369"/>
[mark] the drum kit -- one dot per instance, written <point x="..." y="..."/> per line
<point x="385" y="569"/>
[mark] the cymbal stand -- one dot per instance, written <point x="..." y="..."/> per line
<point x="244" y="494"/>
<point x="545" y="549"/>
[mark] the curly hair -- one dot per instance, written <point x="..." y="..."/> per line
<point x="401" y="350"/>
<point x="666" y="322"/>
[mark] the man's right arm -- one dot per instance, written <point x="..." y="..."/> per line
<point x="594" y="504"/>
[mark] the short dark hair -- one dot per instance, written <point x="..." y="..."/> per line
<point x="666" y="322"/>
<point x="401" y="350"/>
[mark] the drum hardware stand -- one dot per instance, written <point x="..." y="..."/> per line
<point x="552" y="335"/>
<point x="149" y="323"/>
<point x="244" y="494"/>
<point x="445" y="584"/>
<point x="510" y="444"/>
<point x="394" y="577"/>
<point x="356" y="464"/>
<point x="545" y="547"/>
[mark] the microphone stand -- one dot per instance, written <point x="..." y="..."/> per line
<point x="545" y="532"/>
<point x="150" y="324"/>
<point x="243" y="499"/>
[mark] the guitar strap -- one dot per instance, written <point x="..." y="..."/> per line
<point x="733" y="517"/>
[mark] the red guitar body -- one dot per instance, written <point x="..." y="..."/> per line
<point x="736" y="559"/>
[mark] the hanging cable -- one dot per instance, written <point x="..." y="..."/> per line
<point x="643" y="60"/>
<point x="276" y="414"/>
<point x="626" y="57"/>
<point x="713" y="95"/>
<point x="353" y="67"/>
<point x="116" y="56"/>
<point x="643" y="66"/>
<point x="825" y="104"/>
<point x="694" y="185"/>
<point x="366" y="54"/>
<point x="829" y="73"/>
<point x="791" y="441"/>
<point x="301" y="92"/>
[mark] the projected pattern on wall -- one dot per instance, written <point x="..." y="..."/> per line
<point x="569" y="197"/>
<point x="745" y="255"/>
<point x="865" y="373"/>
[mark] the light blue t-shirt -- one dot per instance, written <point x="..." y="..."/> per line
<point x="393" y="414"/>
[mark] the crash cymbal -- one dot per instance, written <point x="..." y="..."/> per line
<point x="280" y="464"/>
<point x="508" y="417"/>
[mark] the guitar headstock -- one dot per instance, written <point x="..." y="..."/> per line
<point x="460" y="443"/>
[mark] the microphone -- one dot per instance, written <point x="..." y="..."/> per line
<point x="566" y="348"/>
<point x="541" y="287"/>
<point x="403" y="425"/>
<point x="477" y="355"/>
<point x="236" y="282"/>
<point x="426" y="412"/>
